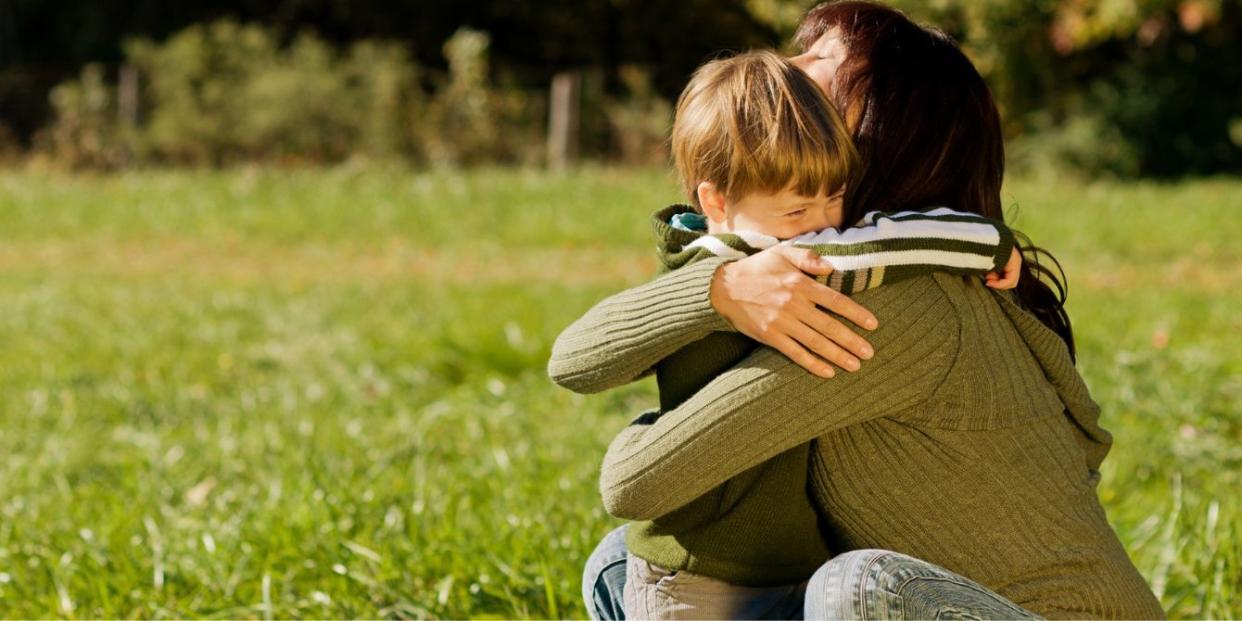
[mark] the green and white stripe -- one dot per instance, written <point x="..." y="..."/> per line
<point x="886" y="247"/>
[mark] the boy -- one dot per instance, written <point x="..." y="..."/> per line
<point x="763" y="156"/>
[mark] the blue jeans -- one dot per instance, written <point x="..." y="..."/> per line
<point x="879" y="584"/>
<point x="862" y="584"/>
<point x="603" y="579"/>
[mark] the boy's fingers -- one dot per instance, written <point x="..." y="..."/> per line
<point x="1009" y="281"/>
<point x="1012" y="272"/>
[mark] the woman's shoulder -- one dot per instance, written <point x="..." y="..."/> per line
<point x="920" y="309"/>
<point x="935" y="293"/>
<point x="966" y="294"/>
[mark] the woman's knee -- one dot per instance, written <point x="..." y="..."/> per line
<point x="847" y="585"/>
<point x="881" y="584"/>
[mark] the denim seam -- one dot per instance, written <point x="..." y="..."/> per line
<point x="974" y="587"/>
<point x="862" y="586"/>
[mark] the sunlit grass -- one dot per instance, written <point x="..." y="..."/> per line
<point x="321" y="393"/>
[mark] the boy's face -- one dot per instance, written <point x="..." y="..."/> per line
<point x="782" y="215"/>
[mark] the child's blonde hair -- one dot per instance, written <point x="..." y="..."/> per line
<point x="756" y="123"/>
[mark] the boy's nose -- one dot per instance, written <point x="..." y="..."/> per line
<point x="819" y="219"/>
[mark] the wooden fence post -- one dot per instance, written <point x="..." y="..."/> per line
<point x="127" y="96"/>
<point x="563" y="120"/>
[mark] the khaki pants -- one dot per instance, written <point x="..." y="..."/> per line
<point x="652" y="592"/>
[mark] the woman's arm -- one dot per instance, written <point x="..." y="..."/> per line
<point x="768" y="297"/>
<point x="766" y="405"/>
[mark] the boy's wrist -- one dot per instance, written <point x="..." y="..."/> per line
<point x="1008" y="242"/>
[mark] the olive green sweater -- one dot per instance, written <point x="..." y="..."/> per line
<point x="969" y="441"/>
<point x="759" y="528"/>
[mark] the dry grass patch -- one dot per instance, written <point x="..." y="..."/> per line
<point x="236" y="261"/>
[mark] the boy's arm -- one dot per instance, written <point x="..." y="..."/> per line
<point x="887" y="248"/>
<point x="620" y="339"/>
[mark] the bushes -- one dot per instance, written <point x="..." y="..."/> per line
<point x="10" y="149"/>
<point x="86" y="133"/>
<point x="639" y="121"/>
<point x="225" y="92"/>
<point x="470" y="121"/>
<point x="1121" y="87"/>
<point x="1127" y="87"/>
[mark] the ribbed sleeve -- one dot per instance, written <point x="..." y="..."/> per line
<point x="624" y="336"/>
<point x="774" y="405"/>
<point x="961" y="443"/>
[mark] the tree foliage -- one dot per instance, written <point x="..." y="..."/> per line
<point x="225" y="92"/>
<point x="1132" y="87"/>
<point x="44" y="42"/>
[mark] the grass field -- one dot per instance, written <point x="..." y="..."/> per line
<point x="258" y="393"/>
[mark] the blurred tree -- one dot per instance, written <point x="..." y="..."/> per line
<point x="1133" y="87"/>
<point x="44" y="42"/>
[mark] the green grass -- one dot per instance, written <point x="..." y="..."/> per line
<point x="258" y="393"/>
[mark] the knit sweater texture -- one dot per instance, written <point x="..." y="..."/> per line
<point x="759" y="528"/>
<point x="969" y="441"/>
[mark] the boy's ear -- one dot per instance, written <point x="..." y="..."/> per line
<point x="711" y="201"/>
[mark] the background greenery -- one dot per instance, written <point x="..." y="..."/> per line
<point x="252" y="393"/>
<point x="1128" y="88"/>
<point x="253" y="388"/>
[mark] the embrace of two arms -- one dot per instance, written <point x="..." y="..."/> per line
<point x="598" y="351"/>
<point x="626" y="336"/>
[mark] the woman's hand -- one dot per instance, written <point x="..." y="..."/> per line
<point x="769" y="297"/>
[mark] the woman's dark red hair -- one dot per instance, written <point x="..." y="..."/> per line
<point x="927" y="130"/>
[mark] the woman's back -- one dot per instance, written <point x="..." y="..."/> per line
<point x="993" y="475"/>
<point x="968" y="441"/>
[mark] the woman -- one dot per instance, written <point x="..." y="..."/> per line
<point x="968" y="443"/>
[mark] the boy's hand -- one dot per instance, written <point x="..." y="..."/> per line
<point x="769" y="297"/>
<point x="1013" y="271"/>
